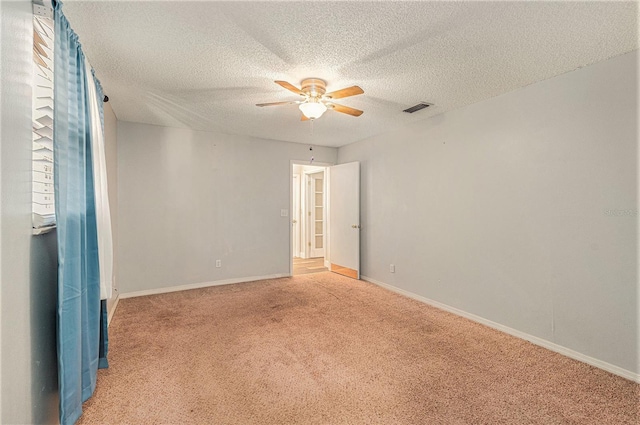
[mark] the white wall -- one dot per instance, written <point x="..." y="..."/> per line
<point x="521" y="209"/>
<point x="111" y="154"/>
<point x="187" y="198"/>
<point x="28" y="264"/>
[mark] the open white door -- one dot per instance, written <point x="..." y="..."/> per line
<point x="344" y="210"/>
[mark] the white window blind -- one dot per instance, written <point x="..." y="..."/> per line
<point x="43" y="195"/>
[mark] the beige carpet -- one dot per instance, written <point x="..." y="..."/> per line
<point x="325" y="349"/>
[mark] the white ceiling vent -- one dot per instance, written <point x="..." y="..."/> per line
<point x="415" y="108"/>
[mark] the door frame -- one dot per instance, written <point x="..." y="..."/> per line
<point x="295" y="215"/>
<point x="291" y="206"/>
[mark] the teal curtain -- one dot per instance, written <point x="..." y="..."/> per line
<point x="79" y="306"/>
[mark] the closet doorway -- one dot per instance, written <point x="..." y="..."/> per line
<point x="309" y="218"/>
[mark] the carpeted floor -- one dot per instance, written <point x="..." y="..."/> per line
<point x="325" y="349"/>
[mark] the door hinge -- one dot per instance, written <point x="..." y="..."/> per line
<point x="309" y="213"/>
<point x="309" y="244"/>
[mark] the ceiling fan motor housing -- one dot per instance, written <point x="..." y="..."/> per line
<point x="314" y="87"/>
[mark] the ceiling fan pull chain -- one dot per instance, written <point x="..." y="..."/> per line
<point x="311" y="147"/>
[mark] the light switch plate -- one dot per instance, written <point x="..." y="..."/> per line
<point x="284" y="213"/>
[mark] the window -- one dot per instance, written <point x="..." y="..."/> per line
<point x="44" y="217"/>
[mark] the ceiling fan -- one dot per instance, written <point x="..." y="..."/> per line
<point x="316" y="100"/>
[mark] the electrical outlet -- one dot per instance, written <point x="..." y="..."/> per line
<point x="218" y="263"/>
<point x="392" y="268"/>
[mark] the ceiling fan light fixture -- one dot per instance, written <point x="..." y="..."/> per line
<point x="313" y="109"/>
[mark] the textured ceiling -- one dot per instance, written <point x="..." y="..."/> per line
<point x="204" y="65"/>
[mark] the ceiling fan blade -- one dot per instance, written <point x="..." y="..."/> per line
<point x="276" y="103"/>
<point x="345" y="109"/>
<point x="303" y="117"/>
<point x="349" y="91"/>
<point x="290" y="87"/>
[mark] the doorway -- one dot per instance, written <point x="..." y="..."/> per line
<point x="309" y="218"/>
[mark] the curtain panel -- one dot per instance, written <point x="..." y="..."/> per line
<point x="82" y="333"/>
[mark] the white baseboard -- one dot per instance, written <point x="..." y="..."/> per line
<point x="198" y="285"/>
<point x="616" y="370"/>
<point x="113" y="310"/>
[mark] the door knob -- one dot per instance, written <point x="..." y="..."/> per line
<point x="355" y="226"/>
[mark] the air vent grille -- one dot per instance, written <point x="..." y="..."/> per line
<point x="420" y="106"/>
